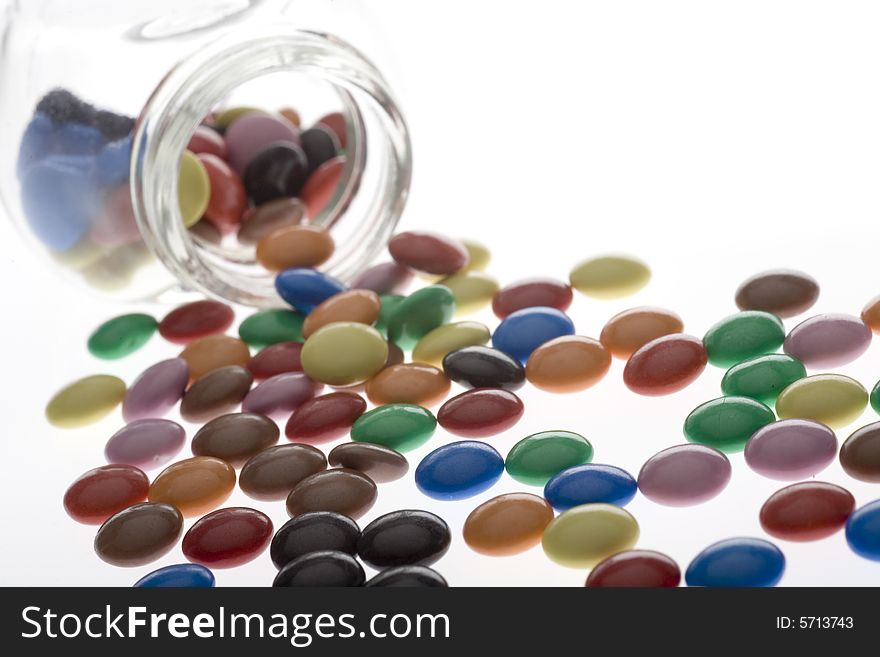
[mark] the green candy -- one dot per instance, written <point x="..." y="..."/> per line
<point x="536" y="458"/>
<point x="388" y="303"/>
<point x="419" y="313"/>
<point x="727" y="423"/>
<point x="121" y="335"/>
<point x="875" y="397"/>
<point x="763" y="377"/>
<point x="399" y="426"/>
<point x="743" y="335"/>
<point x="268" y="327"/>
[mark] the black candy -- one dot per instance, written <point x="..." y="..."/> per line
<point x="483" y="367"/>
<point x="113" y="126"/>
<point x="319" y="144"/>
<point x="61" y="106"/>
<point x="278" y="171"/>
<point x="319" y="531"/>
<point x="327" y="568"/>
<point x="409" y="576"/>
<point x="404" y="538"/>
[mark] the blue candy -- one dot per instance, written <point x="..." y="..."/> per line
<point x="114" y="162"/>
<point x="37" y="142"/>
<point x="305" y="288"/>
<point x="181" y="576"/>
<point x="78" y="139"/>
<point x="590" y="483"/>
<point x="863" y="531"/>
<point x="737" y="562"/>
<point x="523" y="331"/>
<point x="459" y="470"/>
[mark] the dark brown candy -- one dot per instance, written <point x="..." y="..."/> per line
<point x="381" y="464"/>
<point x="274" y="472"/>
<point x="278" y="171"/>
<point x="783" y="292"/>
<point x="235" y="437"/>
<point x="860" y="454"/>
<point x="345" y="491"/>
<point x="139" y="534"/>
<point x="216" y="393"/>
<point x="269" y="217"/>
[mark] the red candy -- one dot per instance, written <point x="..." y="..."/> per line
<point x="325" y="418"/>
<point x="665" y="365"/>
<point x="228" y="537"/>
<point x="480" y="412"/>
<point x="529" y="293"/>
<point x="276" y="359"/>
<point x="205" y="140"/>
<point x="635" y="568"/>
<point x="196" y="320"/>
<point x="228" y="197"/>
<point x="103" y="492"/>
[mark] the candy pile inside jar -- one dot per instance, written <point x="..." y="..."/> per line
<point x="358" y="375"/>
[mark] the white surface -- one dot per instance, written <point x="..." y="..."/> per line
<point x="713" y="140"/>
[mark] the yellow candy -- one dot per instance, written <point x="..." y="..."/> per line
<point x="831" y="399"/>
<point x="473" y="290"/>
<point x="193" y="189"/>
<point x="344" y="353"/>
<point x="584" y="535"/>
<point x="437" y="343"/>
<point x="610" y="277"/>
<point x="85" y="401"/>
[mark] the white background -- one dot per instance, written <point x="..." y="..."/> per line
<point x="711" y="139"/>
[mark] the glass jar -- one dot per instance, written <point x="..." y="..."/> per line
<point x="99" y="100"/>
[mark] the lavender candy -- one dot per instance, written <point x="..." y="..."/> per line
<point x="156" y="391"/>
<point x="384" y="278"/>
<point x="792" y="449"/>
<point x="280" y="395"/>
<point x="146" y="444"/>
<point x="827" y="341"/>
<point x="684" y="475"/>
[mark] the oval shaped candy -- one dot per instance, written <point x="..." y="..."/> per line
<point x="428" y="252"/>
<point x="507" y="524"/>
<point x="743" y="335"/>
<point x="484" y="367"/>
<point x="459" y="470"/>
<point x="435" y="344"/>
<point x="568" y="364"/>
<point x="632" y="329"/>
<point x="828" y="341"/>
<point x="139" y="534"/>
<point x="609" y="277"/>
<point x="665" y="365"/>
<point x="278" y="358"/>
<point x="178" y="576"/>
<point x="863" y="531"/>
<point x="196" y="320"/>
<point x="252" y="132"/>
<point x="344" y="491"/>
<point x="193" y="188"/>
<point x="480" y="412"/>
<point x="344" y="353"/>
<point x="121" y="336"/>
<point x="635" y="568"/>
<point x="763" y="377"/>
<point x="217" y="392"/>
<point x="531" y="292"/>
<point x="590" y="483"/>
<point x="409" y="383"/>
<point x="684" y="475"/>
<point x="325" y="568"/>
<point x="726" y="423"/>
<point x="399" y="426"/>
<point x="404" y="538"/>
<point x="272" y="473"/>
<point x="473" y="290"/>
<point x="361" y="306"/>
<point x="145" y="443"/>
<point x="831" y="399"/>
<point x="381" y="464"/>
<point x="228" y="537"/>
<point x="806" y="511"/>
<point x="410" y="319"/>
<point x="325" y="418"/>
<point x="102" y="492"/>
<point x="408" y="576"/>
<point x="85" y="401"/>
<point x="212" y="352"/>
<point x="235" y="437"/>
<point x="523" y="331"/>
<point x="277" y="171"/>
<point x="156" y="390"/>
<point x="791" y="449"/>
<point x="195" y="486"/>
<point x="228" y="198"/>
<point x="305" y="288"/>
<point x="266" y="218"/>
<point x="540" y="456"/>
<point x="384" y="278"/>
<point x="585" y="535"/>
<point x="314" y="532"/>
<point x="871" y="314"/>
<point x="737" y="562"/>
<point x="783" y="292"/>
<point x="319" y="144"/>
<point x="280" y="395"/>
<point x="322" y="185"/>
<point x="298" y="245"/>
<point x="860" y="454"/>
<point x="271" y="326"/>
<point x="206" y="140"/>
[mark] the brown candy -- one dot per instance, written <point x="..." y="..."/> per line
<point x="568" y="364"/>
<point x="630" y="330"/>
<point x="295" y="246"/>
<point x="860" y="454"/>
<point x="195" y="486"/>
<point x="215" y="393"/>
<point x="269" y="217"/>
<point x="410" y="383"/>
<point x="361" y="306"/>
<point x="345" y="491"/>
<point x="213" y="352"/>
<point x="381" y="464"/>
<point x="235" y="437"/>
<point x="507" y="524"/>
<point x="428" y="252"/>
<point x="783" y="292"/>
<point x="139" y="534"/>
<point x="274" y="472"/>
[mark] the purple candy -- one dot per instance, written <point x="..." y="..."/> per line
<point x="280" y="395"/>
<point x="156" y="390"/>
<point x="826" y="341"/>
<point x="384" y="278"/>
<point x="145" y="444"/>
<point x="684" y="475"/>
<point x="789" y="450"/>
<point x="252" y="133"/>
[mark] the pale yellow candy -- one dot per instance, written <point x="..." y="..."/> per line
<point x="831" y="399"/>
<point x="610" y="277"/>
<point x="80" y="256"/>
<point x="225" y="118"/>
<point x="86" y="401"/>
<point x="479" y="255"/>
<point x="473" y="290"/>
<point x="584" y="535"/>
<point x="193" y="189"/>
<point x="344" y="353"/>
<point x="437" y="343"/>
